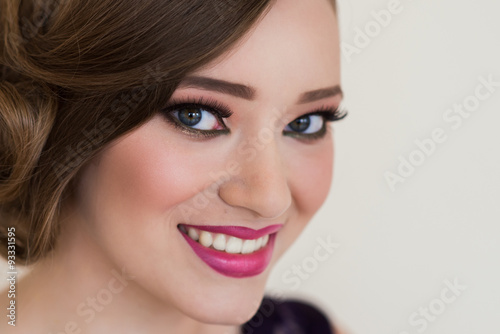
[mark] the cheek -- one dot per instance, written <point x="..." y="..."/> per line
<point x="311" y="175"/>
<point x="137" y="179"/>
<point x="139" y="176"/>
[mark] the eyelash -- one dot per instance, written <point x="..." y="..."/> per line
<point x="329" y="114"/>
<point x="221" y="111"/>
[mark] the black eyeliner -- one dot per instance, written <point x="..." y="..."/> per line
<point x="194" y="132"/>
<point x="219" y="109"/>
<point x="308" y="136"/>
<point x="329" y="115"/>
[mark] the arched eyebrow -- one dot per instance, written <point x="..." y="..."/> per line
<point x="221" y="86"/>
<point x="320" y="94"/>
<point x="248" y="92"/>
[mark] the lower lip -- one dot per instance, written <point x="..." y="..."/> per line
<point x="234" y="265"/>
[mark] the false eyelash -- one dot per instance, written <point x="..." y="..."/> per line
<point x="219" y="109"/>
<point x="329" y="114"/>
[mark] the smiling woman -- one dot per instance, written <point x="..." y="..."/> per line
<point x="158" y="158"/>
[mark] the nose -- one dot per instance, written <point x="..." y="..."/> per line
<point x="261" y="185"/>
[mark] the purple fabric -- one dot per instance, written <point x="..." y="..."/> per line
<point x="287" y="317"/>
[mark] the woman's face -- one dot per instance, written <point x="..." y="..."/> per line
<point x="252" y="175"/>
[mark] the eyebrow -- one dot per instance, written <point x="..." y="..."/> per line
<point x="320" y="94"/>
<point x="249" y="93"/>
<point x="216" y="85"/>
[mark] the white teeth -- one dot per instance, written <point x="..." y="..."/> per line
<point x="248" y="246"/>
<point x="234" y="245"/>
<point x="206" y="238"/>
<point x="265" y="239"/>
<point x="193" y="234"/>
<point x="258" y="243"/>
<point x="220" y="242"/>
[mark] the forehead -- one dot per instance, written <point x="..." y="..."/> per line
<point x="294" y="48"/>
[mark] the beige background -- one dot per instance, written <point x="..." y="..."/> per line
<point x="397" y="248"/>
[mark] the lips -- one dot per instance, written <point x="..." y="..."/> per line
<point x="233" y="251"/>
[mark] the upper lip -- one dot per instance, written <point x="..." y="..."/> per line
<point x="238" y="231"/>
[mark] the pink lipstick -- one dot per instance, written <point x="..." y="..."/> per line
<point x="233" y="251"/>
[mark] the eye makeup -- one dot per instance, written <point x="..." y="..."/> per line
<point x="221" y="111"/>
<point x="328" y="114"/>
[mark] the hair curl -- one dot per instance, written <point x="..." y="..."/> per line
<point x="76" y="74"/>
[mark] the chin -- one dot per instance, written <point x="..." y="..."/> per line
<point x="226" y="311"/>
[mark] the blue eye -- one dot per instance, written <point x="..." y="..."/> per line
<point x="205" y="119"/>
<point x="197" y="118"/>
<point x="307" y="124"/>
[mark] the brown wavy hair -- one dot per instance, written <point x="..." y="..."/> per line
<point x="77" y="74"/>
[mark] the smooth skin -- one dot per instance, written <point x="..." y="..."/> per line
<point x="123" y="217"/>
